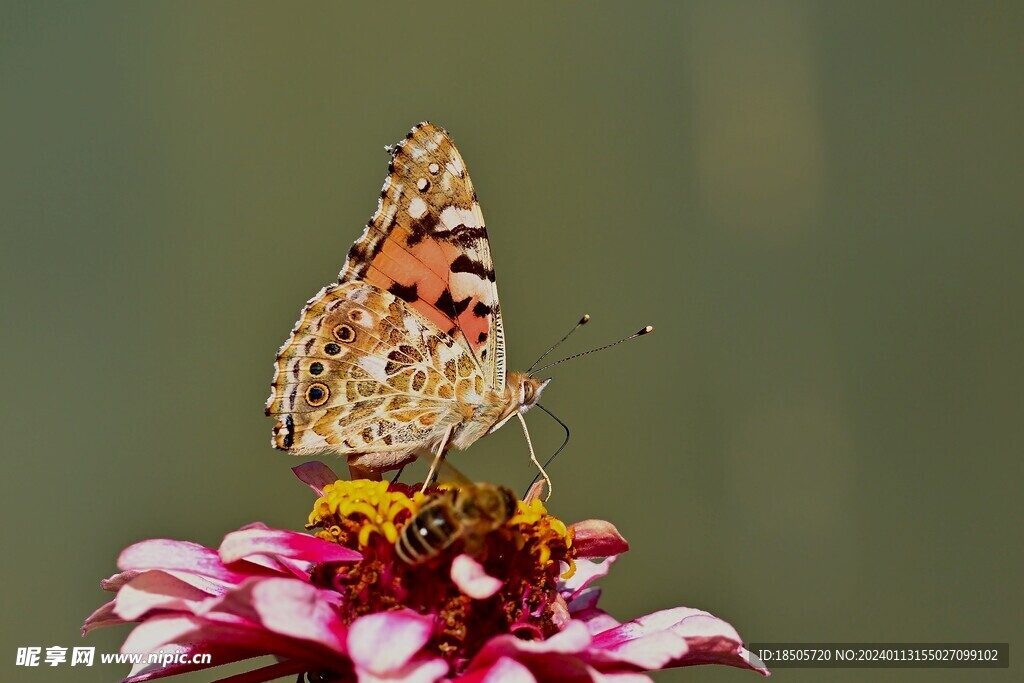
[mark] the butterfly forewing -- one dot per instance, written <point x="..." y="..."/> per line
<point x="427" y="244"/>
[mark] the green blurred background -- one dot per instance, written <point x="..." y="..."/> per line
<point x="819" y="206"/>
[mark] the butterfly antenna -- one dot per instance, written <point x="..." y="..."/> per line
<point x="555" y="454"/>
<point x="583" y="321"/>
<point x="646" y="330"/>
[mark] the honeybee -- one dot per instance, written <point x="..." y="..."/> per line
<point x="468" y="513"/>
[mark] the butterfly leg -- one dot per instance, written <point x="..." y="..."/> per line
<point x="533" y="456"/>
<point x="437" y="458"/>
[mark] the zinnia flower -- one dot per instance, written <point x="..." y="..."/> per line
<point x="342" y="605"/>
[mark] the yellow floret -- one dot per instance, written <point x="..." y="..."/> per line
<point x="367" y="502"/>
<point x="547" y="531"/>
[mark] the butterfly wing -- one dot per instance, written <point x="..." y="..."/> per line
<point x="427" y="244"/>
<point x="363" y="372"/>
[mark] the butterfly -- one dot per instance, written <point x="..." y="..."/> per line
<point x="405" y="354"/>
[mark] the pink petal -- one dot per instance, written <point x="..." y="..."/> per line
<point x="416" y="671"/>
<point x="178" y="631"/>
<point x="597" y="538"/>
<point x="751" y="661"/>
<point x="647" y="643"/>
<point x="203" y="583"/>
<point x="472" y="580"/>
<point x="555" y="656"/>
<point x="383" y="643"/>
<point x="709" y="639"/>
<point x="571" y="640"/>
<point x="316" y="475"/>
<point x="597" y="621"/>
<point x="241" y="544"/>
<point x="700" y="624"/>
<point x="649" y="651"/>
<point x="103" y="616"/>
<point x="507" y="670"/>
<point x="714" y="641"/>
<point x="721" y="651"/>
<point x="661" y="620"/>
<point x="676" y="616"/>
<point x="207" y="585"/>
<point x="584" y="608"/>
<point x="504" y="670"/>
<point x="157" y="632"/>
<point x="272" y="563"/>
<point x="155" y="590"/>
<point x="275" y="563"/>
<point x="161" y="553"/>
<point x="586" y="573"/>
<point x="584" y="600"/>
<point x="286" y="607"/>
<point x="115" y="582"/>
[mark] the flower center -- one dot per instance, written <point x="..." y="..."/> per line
<point x="525" y="553"/>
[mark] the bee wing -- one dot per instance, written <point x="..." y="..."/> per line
<point x="446" y="472"/>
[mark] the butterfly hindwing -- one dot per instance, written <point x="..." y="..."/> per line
<point x="427" y="245"/>
<point x="363" y="372"/>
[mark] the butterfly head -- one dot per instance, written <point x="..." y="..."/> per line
<point x="521" y="393"/>
<point x="529" y="389"/>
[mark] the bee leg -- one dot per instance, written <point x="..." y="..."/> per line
<point x="437" y="459"/>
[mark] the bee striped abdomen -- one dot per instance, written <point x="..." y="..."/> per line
<point x="428" y="533"/>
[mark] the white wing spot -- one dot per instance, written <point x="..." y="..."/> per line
<point x="417" y="152"/>
<point x="422" y="184"/>
<point x="374" y="366"/>
<point x="434" y="168"/>
<point x="417" y="208"/>
<point x="478" y="215"/>
<point x="454" y="216"/>
<point x="455" y="167"/>
<point x="392" y="208"/>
